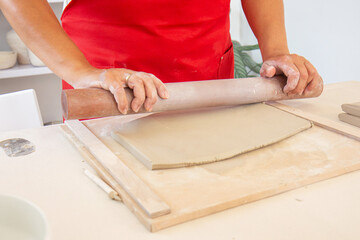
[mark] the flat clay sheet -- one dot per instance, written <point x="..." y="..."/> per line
<point x="352" y="108"/>
<point x="169" y="140"/>
<point x="353" y="120"/>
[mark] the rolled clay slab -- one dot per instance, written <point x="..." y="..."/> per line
<point x="180" y="139"/>
<point x="352" y="108"/>
<point x="351" y="119"/>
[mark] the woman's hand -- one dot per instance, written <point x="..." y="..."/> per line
<point x="302" y="76"/>
<point x="146" y="87"/>
<point x="266" y="19"/>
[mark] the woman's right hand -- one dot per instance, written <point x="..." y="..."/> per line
<point x="146" y="87"/>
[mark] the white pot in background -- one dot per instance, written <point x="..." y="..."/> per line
<point x="18" y="46"/>
<point x="34" y="60"/>
<point x="7" y="59"/>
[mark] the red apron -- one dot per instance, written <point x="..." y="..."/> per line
<point x="176" y="40"/>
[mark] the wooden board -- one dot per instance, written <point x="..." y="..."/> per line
<point x="140" y="192"/>
<point x="193" y="192"/>
<point x="324" y="110"/>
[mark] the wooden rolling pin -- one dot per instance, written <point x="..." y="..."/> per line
<point x="95" y="102"/>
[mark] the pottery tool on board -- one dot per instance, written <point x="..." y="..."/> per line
<point x="94" y="102"/>
<point x="111" y="192"/>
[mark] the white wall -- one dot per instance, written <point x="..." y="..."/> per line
<point x="327" y="32"/>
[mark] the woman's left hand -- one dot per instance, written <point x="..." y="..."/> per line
<point x="302" y="76"/>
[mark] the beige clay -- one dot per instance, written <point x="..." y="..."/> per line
<point x="169" y="140"/>
<point x="352" y="108"/>
<point x="351" y="119"/>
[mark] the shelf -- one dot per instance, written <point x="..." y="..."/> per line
<point x="24" y="71"/>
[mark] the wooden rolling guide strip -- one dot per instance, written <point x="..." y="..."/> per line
<point x="330" y="125"/>
<point x="90" y="159"/>
<point x="104" y="174"/>
<point x="145" y="198"/>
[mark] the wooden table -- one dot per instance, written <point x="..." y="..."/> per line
<point x="76" y="208"/>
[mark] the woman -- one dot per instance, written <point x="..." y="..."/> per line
<point x="112" y="44"/>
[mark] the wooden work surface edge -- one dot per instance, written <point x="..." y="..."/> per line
<point x="140" y="192"/>
<point x="105" y="175"/>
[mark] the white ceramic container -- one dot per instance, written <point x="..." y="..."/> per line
<point x="21" y="219"/>
<point x="7" y="59"/>
<point x="34" y="60"/>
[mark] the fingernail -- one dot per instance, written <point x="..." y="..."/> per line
<point x="262" y="72"/>
<point x="166" y="95"/>
<point x="306" y="92"/>
<point x="136" y="109"/>
<point x="147" y="107"/>
<point x="291" y="94"/>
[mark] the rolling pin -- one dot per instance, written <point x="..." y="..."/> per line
<point x="95" y="102"/>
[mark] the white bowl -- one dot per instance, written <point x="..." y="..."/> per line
<point x="21" y="219"/>
<point x="34" y="60"/>
<point x="7" y="59"/>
